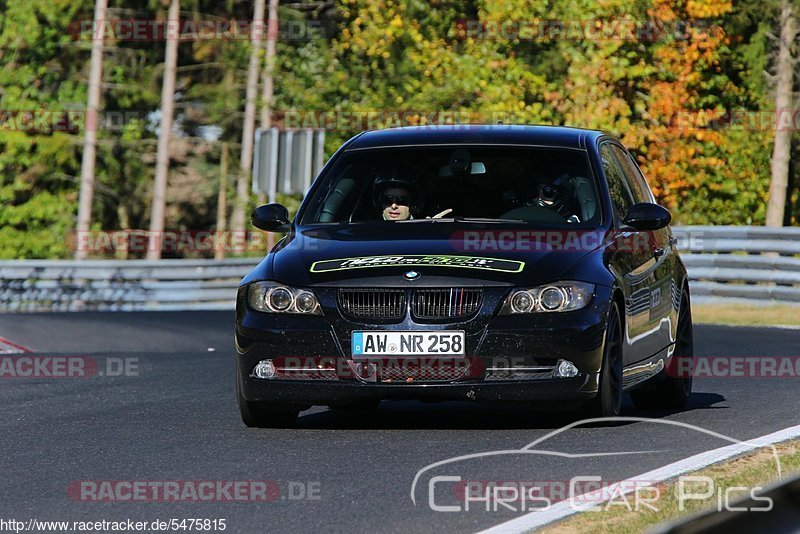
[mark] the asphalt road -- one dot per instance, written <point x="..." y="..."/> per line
<point x="176" y="420"/>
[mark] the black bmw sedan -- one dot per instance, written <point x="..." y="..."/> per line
<point x="479" y="263"/>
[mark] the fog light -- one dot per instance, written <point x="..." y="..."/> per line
<point x="365" y="370"/>
<point x="565" y="369"/>
<point x="264" y="369"/>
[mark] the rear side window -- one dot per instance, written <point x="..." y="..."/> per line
<point x="639" y="188"/>
<point x="621" y="197"/>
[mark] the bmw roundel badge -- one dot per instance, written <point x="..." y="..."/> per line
<point x="411" y="275"/>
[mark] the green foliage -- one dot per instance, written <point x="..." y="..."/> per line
<point x="41" y="76"/>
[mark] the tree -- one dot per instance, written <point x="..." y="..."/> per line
<point x="248" y="131"/>
<point x="90" y="133"/>
<point x="782" y="148"/>
<point x="165" y="131"/>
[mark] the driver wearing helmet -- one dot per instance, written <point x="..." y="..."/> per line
<point x="397" y="195"/>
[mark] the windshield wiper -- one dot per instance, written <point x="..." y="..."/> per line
<point x="475" y="220"/>
<point x="486" y="220"/>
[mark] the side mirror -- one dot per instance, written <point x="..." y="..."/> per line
<point x="647" y="216"/>
<point x="271" y="217"/>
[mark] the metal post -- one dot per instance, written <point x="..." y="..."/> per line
<point x="287" y="167"/>
<point x="222" y="205"/>
<point x="319" y="152"/>
<point x="307" y="158"/>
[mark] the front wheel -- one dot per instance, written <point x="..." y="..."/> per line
<point x="264" y="415"/>
<point x="608" y="402"/>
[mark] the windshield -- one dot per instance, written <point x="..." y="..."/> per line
<point x="540" y="186"/>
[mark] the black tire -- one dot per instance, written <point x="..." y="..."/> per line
<point x="608" y="402"/>
<point x="673" y="386"/>
<point x="264" y="415"/>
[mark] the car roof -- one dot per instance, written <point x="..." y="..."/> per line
<point x="476" y="134"/>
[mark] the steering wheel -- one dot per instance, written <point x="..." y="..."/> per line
<point x="535" y="214"/>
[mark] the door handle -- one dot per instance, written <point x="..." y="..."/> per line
<point x="657" y="253"/>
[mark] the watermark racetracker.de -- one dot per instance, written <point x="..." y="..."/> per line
<point x="193" y="491"/>
<point x="210" y="29"/>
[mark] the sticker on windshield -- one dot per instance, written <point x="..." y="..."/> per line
<point x="428" y="260"/>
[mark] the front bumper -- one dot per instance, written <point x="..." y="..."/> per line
<point x="508" y="342"/>
<point x="308" y="393"/>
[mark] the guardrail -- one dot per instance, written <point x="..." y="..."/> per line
<point x="742" y="263"/>
<point x="120" y="285"/>
<point x="725" y="263"/>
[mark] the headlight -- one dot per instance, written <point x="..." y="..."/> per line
<point x="555" y="297"/>
<point x="271" y="297"/>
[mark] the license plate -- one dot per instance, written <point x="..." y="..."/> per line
<point x="414" y="343"/>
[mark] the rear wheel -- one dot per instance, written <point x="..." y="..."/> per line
<point x="264" y="415"/>
<point x="608" y="402"/>
<point x="673" y="387"/>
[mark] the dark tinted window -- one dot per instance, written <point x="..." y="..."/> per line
<point x="638" y="186"/>
<point x="547" y="186"/>
<point x="621" y="197"/>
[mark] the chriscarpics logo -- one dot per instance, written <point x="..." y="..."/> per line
<point x="577" y="469"/>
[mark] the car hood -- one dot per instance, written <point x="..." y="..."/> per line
<point x="344" y="254"/>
